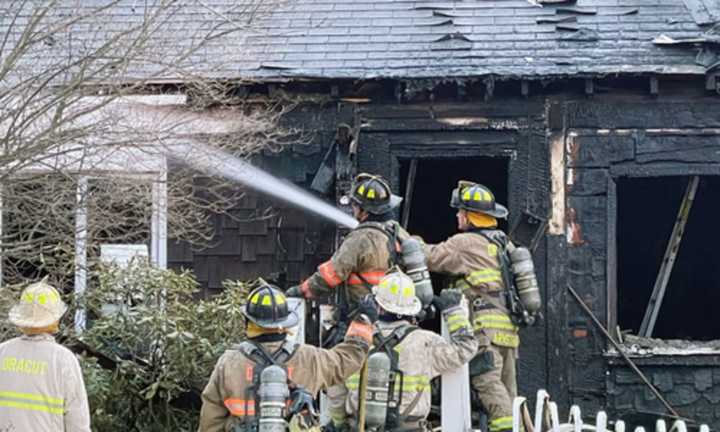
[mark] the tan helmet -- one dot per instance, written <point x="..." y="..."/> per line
<point x="396" y="294"/>
<point x="40" y="305"/>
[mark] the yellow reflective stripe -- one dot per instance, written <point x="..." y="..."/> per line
<point x="457" y="321"/>
<point x="456" y="317"/>
<point x="495" y="326"/>
<point x="486" y="271"/>
<point x="484" y="276"/>
<point x="32" y="397"/>
<point x="32" y="407"/>
<point x="479" y="279"/>
<point x="494" y="321"/>
<point x="493" y="318"/>
<point x="453" y="327"/>
<point x="506" y="340"/>
<point x="501" y="423"/>
<point x="416" y="383"/>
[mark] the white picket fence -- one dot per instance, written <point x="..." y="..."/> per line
<point x="547" y="419"/>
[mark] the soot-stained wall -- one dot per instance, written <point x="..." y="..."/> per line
<point x="513" y="130"/>
<point x="608" y="139"/>
<point x="564" y="155"/>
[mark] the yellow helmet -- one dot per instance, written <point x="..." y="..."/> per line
<point x="475" y="197"/>
<point x="396" y="294"/>
<point x="40" y="305"/>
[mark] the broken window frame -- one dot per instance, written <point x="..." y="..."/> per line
<point x="635" y="171"/>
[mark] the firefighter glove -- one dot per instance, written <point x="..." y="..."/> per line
<point x="368" y="308"/>
<point x="294" y="291"/>
<point x="301" y="400"/>
<point x="447" y="299"/>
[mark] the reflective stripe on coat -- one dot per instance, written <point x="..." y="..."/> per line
<point x="473" y="260"/>
<point x="41" y="387"/>
<point x="225" y="398"/>
<point x="422" y="356"/>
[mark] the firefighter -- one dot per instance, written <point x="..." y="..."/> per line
<point x="367" y="252"/>
<point x="41" y="384"/>
<point x="362" y="259"/>
<point x="416" y="355"/>
<point x="471" y="257"/>
<point x="229" y="399"/>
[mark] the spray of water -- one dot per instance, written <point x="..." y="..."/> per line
<point x="217" y="162"/>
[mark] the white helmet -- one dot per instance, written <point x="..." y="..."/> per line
<point x="396" y="294"/>
<point x="40" y="305"/>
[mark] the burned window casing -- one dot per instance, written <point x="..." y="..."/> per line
<point x="646" y="215"/>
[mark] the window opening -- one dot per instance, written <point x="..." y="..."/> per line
<point x="647" y="214"/>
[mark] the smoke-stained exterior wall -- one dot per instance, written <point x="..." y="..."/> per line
<point x="565" y="150"/>
<point x="607" y="139"/>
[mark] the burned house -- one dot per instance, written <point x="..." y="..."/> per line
<point x="600" y="116"/>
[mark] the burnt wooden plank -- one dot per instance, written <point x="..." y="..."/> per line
<point x="587" y="181"/>
<point x="532" y="371"/>
<point x="589" y="208"/>
<point x="465" y="122"/>
<point x="600" y="151"/>
<point x="681" y="148"/>
<point x="506" y="108"/>
<point x="556" y="319"/>
<point x="663" y="169"/>
<point x="556" y="116"/>
<point x="700" y="113"/>
<point x="454" y="138"/>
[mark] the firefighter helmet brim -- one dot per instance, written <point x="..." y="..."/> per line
<point x="290" y="321"/>
<point x="372" y="193"/>
<point x="493" y="208"/>
<point x="268" y="307"/>
<point x="396" y="294"/>
<point x="40" y="305"/>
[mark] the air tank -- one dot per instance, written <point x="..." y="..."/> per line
<point x="272" y="394"/>
<point x="525" y="280"/>
<point x="413" y="259"/>
<point x="376" y="393"/>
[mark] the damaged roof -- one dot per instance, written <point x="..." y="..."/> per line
<point x="364" y="39"/>
<point x="399" y="38"/>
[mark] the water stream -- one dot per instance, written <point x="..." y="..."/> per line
<point x="216" y="162"/>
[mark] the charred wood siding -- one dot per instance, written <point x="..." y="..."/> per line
<point x="514" y="129"/>
<point x="606" y="139"/>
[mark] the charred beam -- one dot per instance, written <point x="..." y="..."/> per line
<point x="711" y="82"/>
<point x="399" y="90"/>
<point x="489" y="88"/>
<point x="654" y="86"/>
<point x="461" y="91"/>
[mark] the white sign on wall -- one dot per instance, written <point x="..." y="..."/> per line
<point x="121" y="254"/>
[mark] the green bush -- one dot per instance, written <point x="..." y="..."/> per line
<point x="150" y="345"/>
